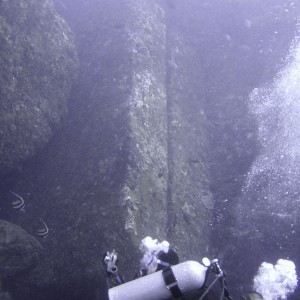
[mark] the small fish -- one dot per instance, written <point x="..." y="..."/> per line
<point x="19" y="203"/>
<point x="284" y="216"/>
<point x="43" y="232"/>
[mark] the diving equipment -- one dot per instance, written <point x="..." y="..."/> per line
<point x="110" y="260"/>
<point x="189" y="276"/>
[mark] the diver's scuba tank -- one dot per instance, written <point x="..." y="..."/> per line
<point x="170" y="282"/>
<point x="160" y="279"/>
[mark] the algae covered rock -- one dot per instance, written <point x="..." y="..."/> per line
<point x="37" y="63"/>
<point x="3" y="294"/>
<point x="19" y="251"/>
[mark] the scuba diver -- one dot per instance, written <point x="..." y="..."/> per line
<point x="110" y="259"/>
<point x="162" y="277"/>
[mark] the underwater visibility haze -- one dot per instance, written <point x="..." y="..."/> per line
<point x="124" y="119"/>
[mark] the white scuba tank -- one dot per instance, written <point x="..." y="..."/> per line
<point x="190" y="276"/>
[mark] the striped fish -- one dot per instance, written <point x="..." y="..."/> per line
<point x="43" y="232"/>
<point x="19" y="203"/>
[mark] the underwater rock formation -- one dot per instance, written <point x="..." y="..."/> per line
<point x="5" y="295"/>
<point x="19" y="251"/>
<point x="158" y="135"/>
<point x="37" y="63"/>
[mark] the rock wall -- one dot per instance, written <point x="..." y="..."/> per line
<point x="190" y="202"/>
<point x="19" y="250"/>
<point x="145" y="185"/>
<point x="106" y="188"/>
<point x="38" y="62"/>
<point x="110" y="184"/>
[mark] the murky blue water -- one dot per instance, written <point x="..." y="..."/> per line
<point x="268" y="210"/>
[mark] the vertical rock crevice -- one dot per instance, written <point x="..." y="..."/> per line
<point x="190" y="203"/>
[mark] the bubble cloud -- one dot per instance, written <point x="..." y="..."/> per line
<point x="276" y="282"/>
<point x="150" y="249"/>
